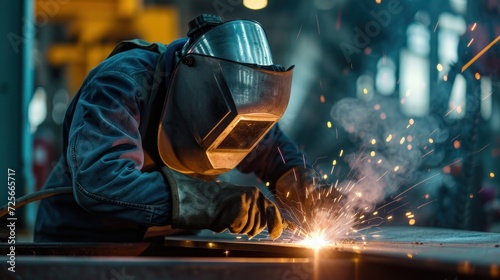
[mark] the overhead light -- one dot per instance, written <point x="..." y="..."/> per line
<point x="255" y="4"/>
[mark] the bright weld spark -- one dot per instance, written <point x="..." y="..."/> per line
<point x="470" y="42"/>
<point x="382" y="176"/>
<point x="281" y="155"/>
<point x="329" y="226"/>
<point x="417" y="184"/>
<point x="387" y="204"/>
<point x="403" y="205"/>
<point x="450" y="111"/>
<point x="427" y="203"/>
<point x="477" y="56"/>
<point x="426" y="154"/>
<point x="315" y="240"/>
<point x="480" y="150"/>
<point x="436" y="26"/>
<point x="488" y="95"/>
<point x="317" y="23"/>
<point x="454" y="138"/>
<point x="298" y="34"/>
<point x="473" y="26"/>
<point x="333" y="166"/>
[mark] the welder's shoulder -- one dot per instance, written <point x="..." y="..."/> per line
<point x="131" y="62"/>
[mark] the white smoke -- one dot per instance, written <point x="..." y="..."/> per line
<point x="392" y="148"/>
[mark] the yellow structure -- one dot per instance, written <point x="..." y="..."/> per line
<point x="95" y="26"/>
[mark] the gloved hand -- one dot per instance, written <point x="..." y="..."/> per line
<point x="198" y="204"/>
<point x="303" y="195"/>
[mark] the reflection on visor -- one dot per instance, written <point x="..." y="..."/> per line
<point x="244" y="135"/>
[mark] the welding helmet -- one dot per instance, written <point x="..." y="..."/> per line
<point x="224" y="95"/>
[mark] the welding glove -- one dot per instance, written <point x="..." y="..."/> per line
<point x="302" y="195"/>
<point x="197" y="204"/>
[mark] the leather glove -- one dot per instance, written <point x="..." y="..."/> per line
<point x="197" y="204"/>
<point x="304" y="196"/>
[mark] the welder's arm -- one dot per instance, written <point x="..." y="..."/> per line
<point x="197" y="204"/>
<point x="105" y="153"/>
<point x="272" y="157"/>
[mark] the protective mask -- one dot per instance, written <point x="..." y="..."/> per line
<point x="225" y="94"/>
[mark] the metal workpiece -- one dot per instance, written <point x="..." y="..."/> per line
<point x="379" y="253"/>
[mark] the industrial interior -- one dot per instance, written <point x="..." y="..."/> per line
<point x="393" y="102"/>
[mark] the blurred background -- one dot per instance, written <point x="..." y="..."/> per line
<point x="395" y="97"/>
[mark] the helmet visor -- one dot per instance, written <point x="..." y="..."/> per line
<point x="227" y="107"/>
<point x="242" y="41"/>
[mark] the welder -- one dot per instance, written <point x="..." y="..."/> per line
<point x="152" y="127"/>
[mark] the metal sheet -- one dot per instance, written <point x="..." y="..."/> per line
<point x="382" y="253"/>
<point x="464" y="252"/>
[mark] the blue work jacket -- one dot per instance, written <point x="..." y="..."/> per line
<point x="115" y="198"/>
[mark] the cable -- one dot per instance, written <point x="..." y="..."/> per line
<point x="23" y="200"/>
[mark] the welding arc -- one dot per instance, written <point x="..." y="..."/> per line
<point x="34" y="197"/>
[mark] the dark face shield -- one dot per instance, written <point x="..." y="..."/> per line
<point x="217" y="110"/>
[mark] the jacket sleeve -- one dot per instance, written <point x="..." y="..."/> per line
<point x="105" y="153"/>
<point x="272" y="157"/>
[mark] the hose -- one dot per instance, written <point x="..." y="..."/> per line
<point x="34" y="197"/>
